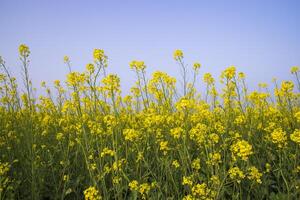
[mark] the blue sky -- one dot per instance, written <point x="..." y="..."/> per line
<point x="261" y="38"/>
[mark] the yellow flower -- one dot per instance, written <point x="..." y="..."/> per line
<point x="57" y="83"/>
<point x="24" y="50"/>
<point x="107" y="151"/>
<point x="241" y="75"/>
<point x="131" y="134"/>
<point x="184" y="104"/>
<point x="66" y="59"/>
<point x="295" y="136"/>
<point x="99" y="55"/>
<point x="214" y="159"/>
<point x="144" y="189"/>
<point x="175" y="164"/>
<point x="134" y="185"/>
<point x="178" y="54"/>
<point x="137" y="65"/>
<point x="111" y="84"/>
<point x="229" y="72"/>
<point x="278" y="136"/>
<point x="287" y="86"/>
<point x="236" y="174"/>
<point x="241" y="149"/>
<point x="4" y="168"/>
<point x="254" y="174"/>
<point x="268" y="167"/>
<point x="196" y="66"/>
<point x="187" y="180"/>
<point x="188" y="197"/>
<point x="207" y="78"/>
<point x="176" y="132"/>
<point x="91" y="193"/>
<point x="199" y="190"/>
<point x="163" y="146"/>
<point x="294" y="69"/>
<point x="213" y="138"/>
<point x="90" y="68"/>
<point x="196" y="164"/>
<point x="59" y="136"/>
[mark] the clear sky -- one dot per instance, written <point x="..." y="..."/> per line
<point x="259" y="37"/>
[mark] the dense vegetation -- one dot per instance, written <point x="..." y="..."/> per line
<point x="83" y="139"/>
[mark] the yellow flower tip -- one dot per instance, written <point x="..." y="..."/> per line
<point x="196" y="66"/>
<point x="90" y="68"/>
<point x="229" y="72"/>
<point x="207" y="78"/>
<point x="241" y="149"/>
<point x="99" y="55"/>
<point x="295" y="136"/>
<point x="178" y="54"/>
<point x="137" y="65"/>
<point x="187" y="180"/>
<point x="241" y="75"/>
<point x="91" y="193"/>
<point x="134" y="185"/>
<point x="294" y="69"/>
<point x="175" y="164"/>
<point x="24" y="50"/>
<point x="66" y="59"/>
<point x="236" y="174"/>
<point x="57" y="83"/>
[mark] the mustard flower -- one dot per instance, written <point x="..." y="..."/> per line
<point x="254" y="174"/>
<point x="137" y="65"/>
<point x="196" y="66"/>
<point x="229" y="72"/>
<point x="175" y="164"/>
<point x="66" y="59"/>
<point x="241" y="149"/>
<point x="90" y="68"/>
<point x="99" y="55"/>
<point x="4" y="168"/>
<point x="131" y="134"/>
<point x="163" y="146"/>
<point x="236" y="174"/>
<point x="107" y="151"/>
<point x="278" y="137"/>
<point x="178" y="54"/>
<point x="294" y="69"/>
<point x="24" y="50"/>
<point x="176" y="132"/>
<point x="207" y="78"/>
<point x="187" y="180"/>
<point x="134" y="185"/>
<point x="91" y="193"/>
<point x="295" y="136"/>
<point x="196" y="164"/>
<point x="144" y="190"/>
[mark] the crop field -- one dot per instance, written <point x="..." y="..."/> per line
<point x="84" y="139"/>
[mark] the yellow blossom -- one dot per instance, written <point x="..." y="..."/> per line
<point x="254" y="174"/>
<point x="134" y="185"/>
<point x="187" y="180"/>
<point x="178" y="54"/>
<point x="24" y="50"/>
<point x="241" y="149"/>
<point x="236" y="174"/>
<point x="91" y="193"/>
<point x="175" y="164"/>
<point x="295" y="136"/>
<point x="278" y="136"/>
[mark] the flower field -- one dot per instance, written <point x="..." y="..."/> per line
<point x="83" y="139"/>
